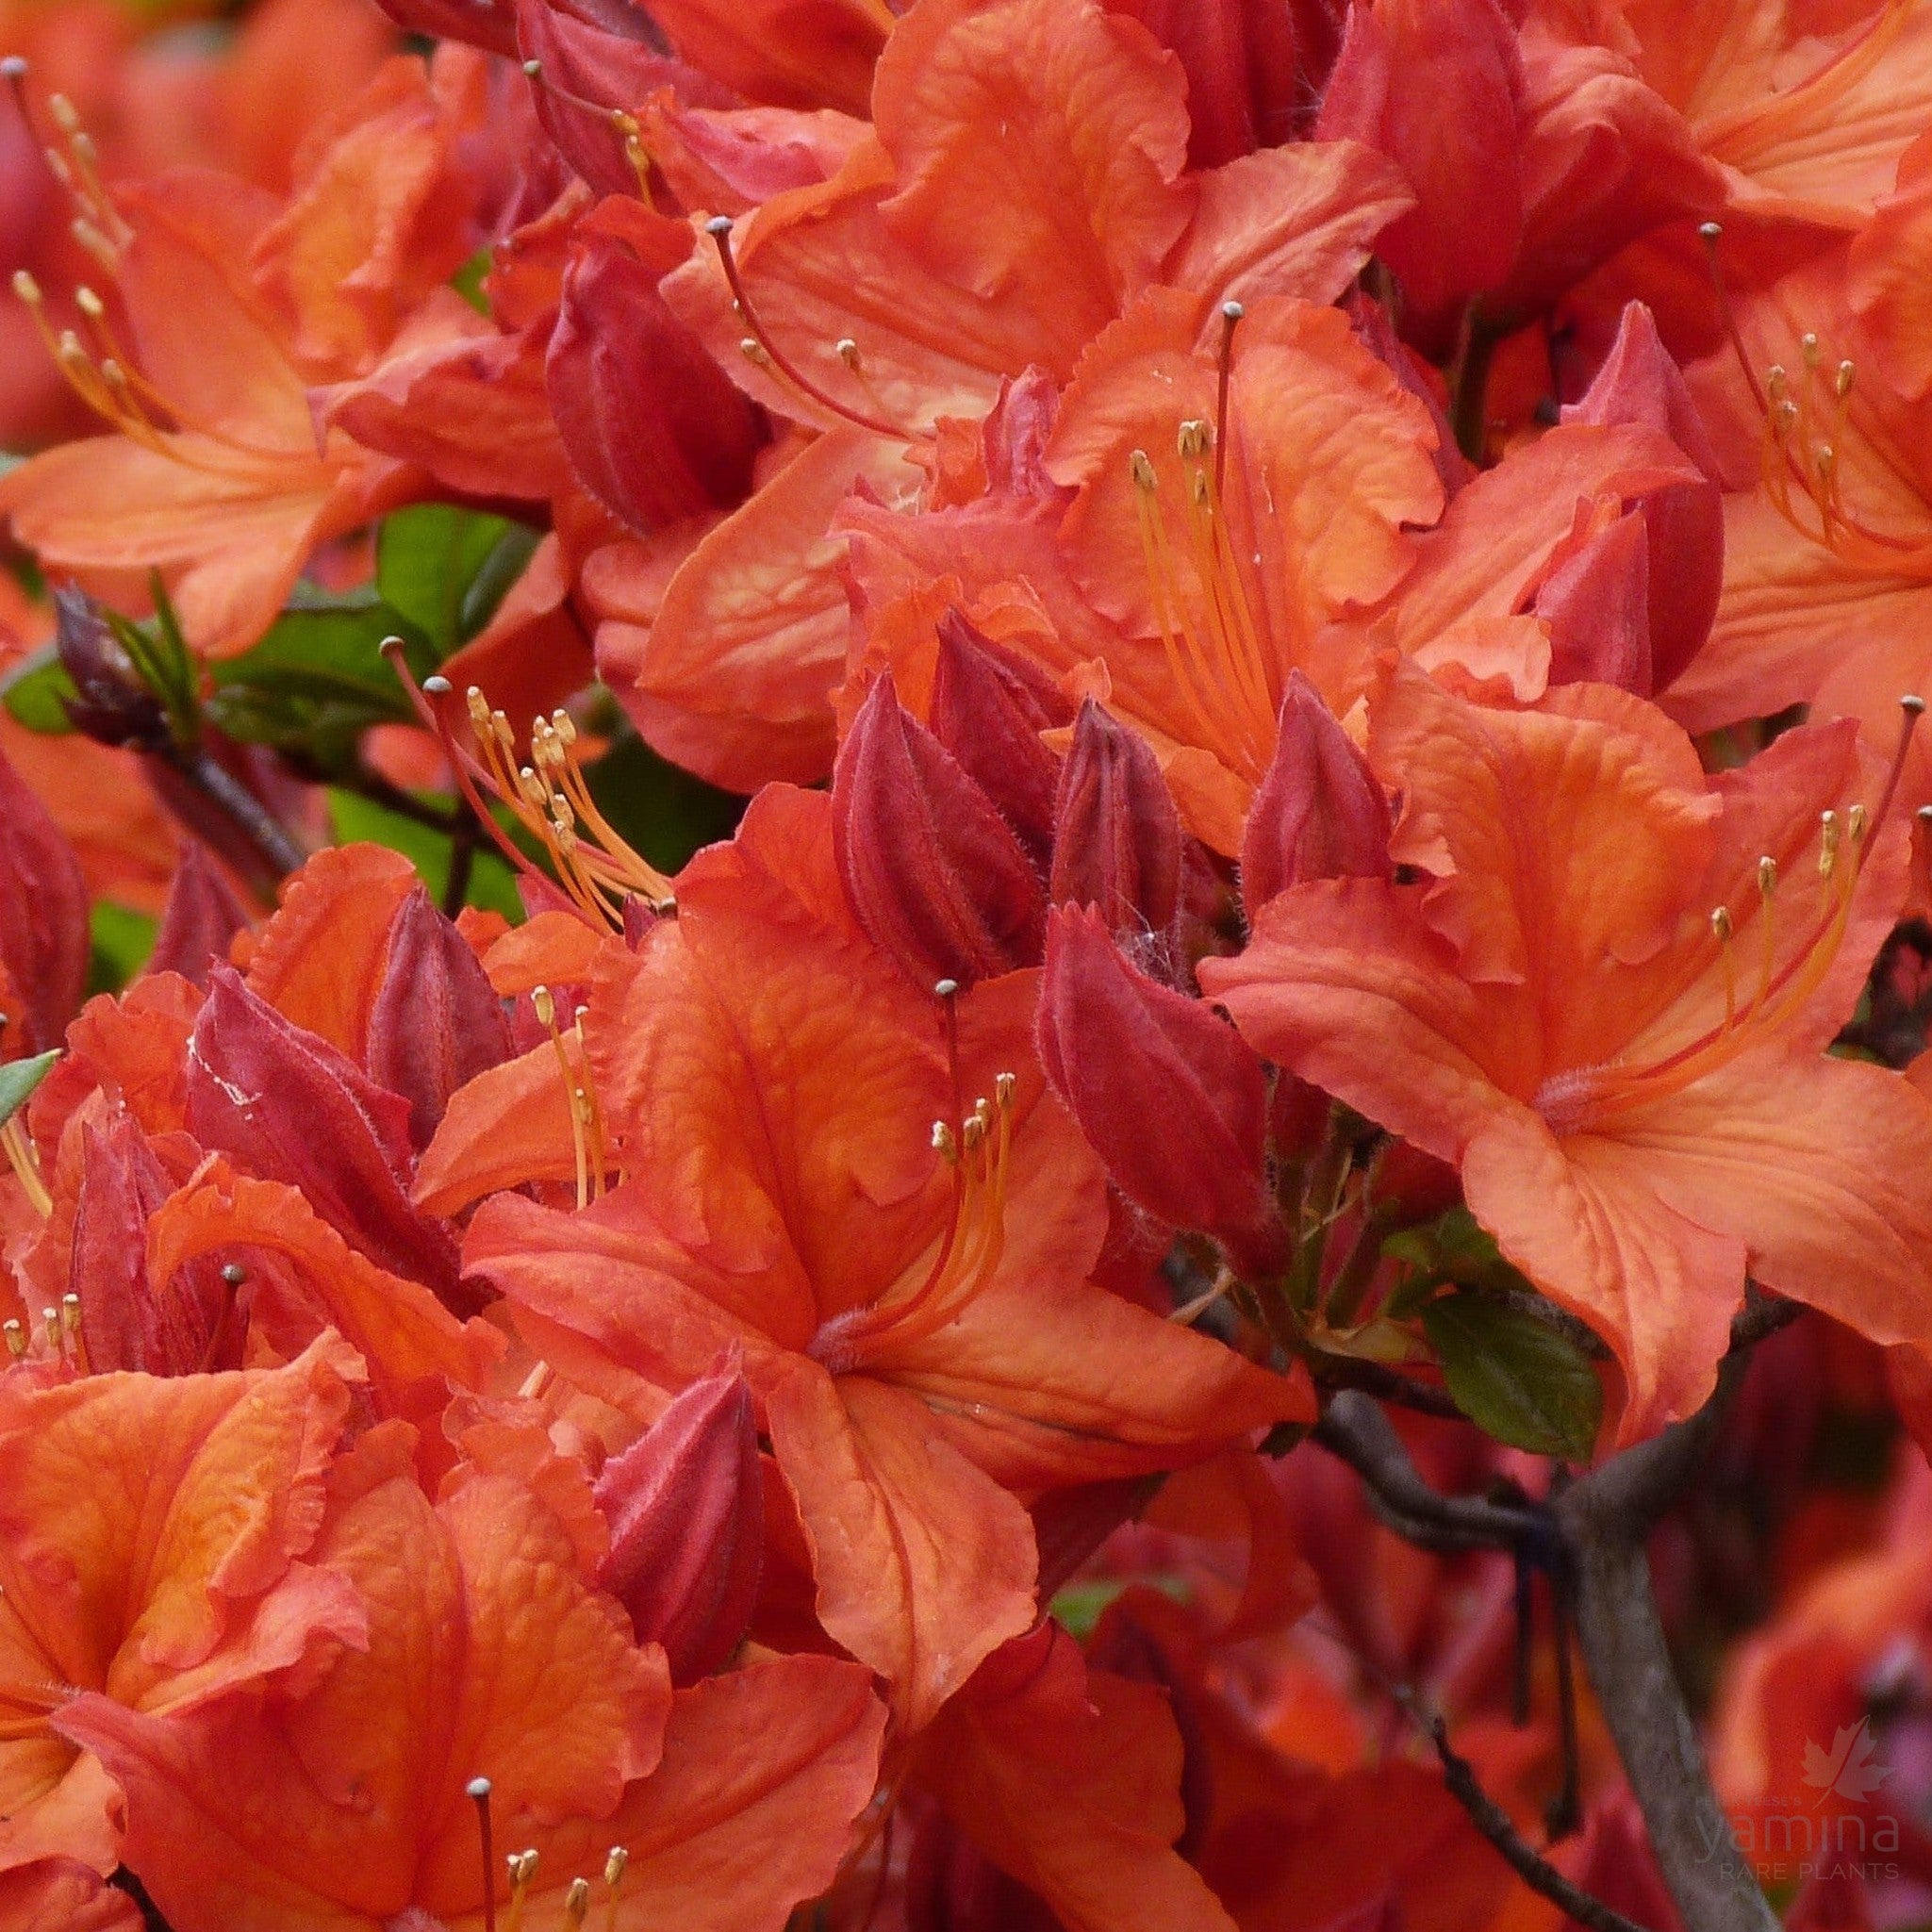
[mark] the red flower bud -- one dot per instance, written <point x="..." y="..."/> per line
<point x="1596" y="603"/>
<point x="685" y="1503"/>
<point x="933" y="873"/>
<point x="989" y="711"/>
<point x="179" y="1327"/>
<point x="1117" y="835"/>
<point x="653" y="427"/>
<point x="437" y="1021"/>
<point x="1319" y="813"/>
<point x="287" y="1105"/>
<point x="200" y="918"/>
<point x="45" y="939"/>
<point x="1171" y="1097"/>
<point x="1683" y="523"/>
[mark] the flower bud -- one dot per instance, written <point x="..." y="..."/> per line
<point x="201" y="917"/>
<point x="653" y="427"/>
<point x="1319" y="812"/>
<point x="1596" y="603"/>
<point x="685" y="1503"/>
<point x="933" y="873"/>
<point x="1169" y="1096"/>
<point x="111" y="705"/>
<point x="44" y="937"/>
<point x="989" y="714"/>
<point x="288" y="1106"/>
<point x="180" y="1327"/>
<point x="1117" y="835"/>
<point x="436" y="1022"/>
<point x="1683" y="522"/>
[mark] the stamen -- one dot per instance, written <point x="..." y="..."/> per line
<point x="577" y="1902"/>
<point x="1827" y="843"/>
<point x="522" y="1866"/>
<point x="50" y="1323"/>
<point x="25" y="1159"/>
<point x="614" y="1879"/>
<point x="1720" y="929"/>
<point x="478" y="1789"/>
<point x="720" y="229"/>
<point x="546" y="1016"/>
<point x="70" y="1324"/>
<point x="16" y="1338"/>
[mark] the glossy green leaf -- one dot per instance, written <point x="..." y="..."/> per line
<point x="429" y="556"/>
<point x="1514" y="1376"/>
<point x="663" y="812"/>
<point x="123" y="940"/>
<point x="33" y="689"/>
<point x="19" y="1078"/>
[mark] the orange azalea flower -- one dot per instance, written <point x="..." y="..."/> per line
<point x="154" y="1537"/>
<point x="1806" y="110"/>
<point x="343" y="1796"/>
<point x="1828" y="577"/>
<point x="1178" y="544"/>
<point x="912" y="1301"/>
<point x="990" y="223"/>
<point x="1607" y="1002"/>
<point x="237" y="307"/>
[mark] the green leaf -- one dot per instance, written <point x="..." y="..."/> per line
<point x="314" y="683"/>
<point x="33" y="689"/>
<point x="122" y="941"/>
<point x="1513" y="1376"/>
<point x="468" y="281"/>
<point x="19" y="1078"/>
<point x="426" y="559"/>
<point x="492" y="885"/>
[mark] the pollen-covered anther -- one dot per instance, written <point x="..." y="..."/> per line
<point x="50" y="1327"/>
<point x="27" y="288"/>
<point x="1141" y="468"/>
<point x="16" y="1338"/>
<point x="945" y="1143"/>
<point x="1194" y="439"/>
<point x="1829" y="831"/>
<point x="1767" y="875"/>
<point x="1807" y="347"/>
<point x="522" y="1869"/>
<point x="1842" y="380"/>
<point x="577" y="1901"/>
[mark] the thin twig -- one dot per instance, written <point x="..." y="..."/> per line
<point x="1376" y="1379"/>
<point x="1494" y="1823"/>
<point x="263" y="830"/>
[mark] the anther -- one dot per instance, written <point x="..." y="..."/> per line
<point x="1140" y="466"/>
<point x="945" y="1144"/>
<point x="1004" y="1088"/>
<point x="577" y="1901"/>
<point x="50" y="1323"/>
<point x="1192" y="440"/>
<point x="1842" y="382"/>
<point x="89" y="303"/>
<point x="1767" y="875"/>
<point x="1854" y="823"/>
<point x="546" y="1007"/>
<point x="1807" y="343"/>
<point x="16" y="1338"/>
<point x="614" y="1865"/>
<point x="27" y="288"/>
<point x="1721" y="925"/>
<point x="1828" y="831"/>
<point x="62" y="112"/>
<point x="754" y="352"/>
<point x="1774" y="382"/>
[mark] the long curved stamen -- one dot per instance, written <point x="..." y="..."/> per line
<point x="24" y="1160"/>
<point x="767" y="350"/>
<point x="1585" y="1095"/>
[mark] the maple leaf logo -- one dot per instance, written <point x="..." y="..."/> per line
<point x="1845" y="1770"/>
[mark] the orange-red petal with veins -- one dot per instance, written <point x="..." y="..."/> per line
<point x="318" y="960"/>
<point x="733" y="679"/>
